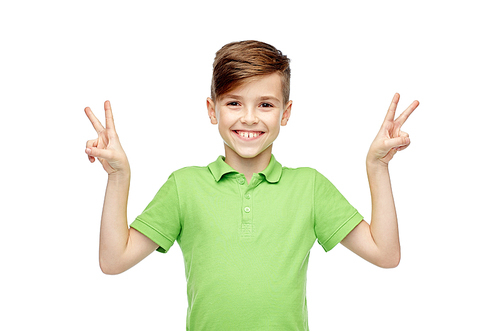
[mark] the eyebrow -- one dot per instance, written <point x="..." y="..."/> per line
<point x="269" y="97"/>
<point x="231" y="96"/>
<point x="264" y="97"/>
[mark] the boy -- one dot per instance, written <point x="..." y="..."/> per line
<point x="244" y="223"/>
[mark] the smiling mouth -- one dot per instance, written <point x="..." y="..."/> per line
<point x="248" y="134"/>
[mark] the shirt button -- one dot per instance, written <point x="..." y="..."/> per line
<point x="247" y="209"/>
<point x="247" y="196"/>
<point x="241" y="181"/>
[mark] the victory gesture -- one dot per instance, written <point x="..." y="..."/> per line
<point x="106" y="147"/>
<point x="390" y="139"/>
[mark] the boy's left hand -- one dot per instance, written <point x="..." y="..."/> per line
<point x="390" y="139"/>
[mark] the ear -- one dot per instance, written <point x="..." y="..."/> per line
<point x="211" y="111"/>
<point x="286" y="113"/>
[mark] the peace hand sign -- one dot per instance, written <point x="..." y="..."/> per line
<point x="390" y="139"/>
<point x="106" y="147"/>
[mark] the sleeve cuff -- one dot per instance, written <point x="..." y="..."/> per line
<point x="163" y="242"/>
<point x="342" y="232"/>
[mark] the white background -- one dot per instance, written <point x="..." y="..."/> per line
<point x="152" y="60"/>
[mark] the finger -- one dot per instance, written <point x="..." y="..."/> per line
<point x="404" y="135"/>
<point x="91" y="158"/>
<point x="398" y="132"/>
<point x="391" y="153"/>
<point x="95" y="122"/>
<point x="110" y="123"/>
<point x="392" y="108"/>
<point x="404" y="115"/>
<point x="397" y="142"/>
<point x="402" y="148"/>
<point x="92" y="143"/>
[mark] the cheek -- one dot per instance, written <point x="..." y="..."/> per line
<point x="225" y="125"/>
<point x="224" y="122"/>
<point x="272" y="120"/>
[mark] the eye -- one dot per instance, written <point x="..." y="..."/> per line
<point x="266" y="105"/>
<point x="232" y="103"/>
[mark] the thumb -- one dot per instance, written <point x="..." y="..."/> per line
<point x="397" y="142"/>
<point x="97" y="152"/>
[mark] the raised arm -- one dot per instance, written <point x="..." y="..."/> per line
<point x="378" y="242"/>
<point x="120" y="247"/>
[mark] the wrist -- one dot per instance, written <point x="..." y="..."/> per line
<point x="119" y="176"/>
<point x="376" y="166"/>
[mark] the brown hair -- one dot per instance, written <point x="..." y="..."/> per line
<point x="237" y="62"/>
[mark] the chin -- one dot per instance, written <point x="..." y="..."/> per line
<point x="248" y="155"/>
<point x="246" y="152"/>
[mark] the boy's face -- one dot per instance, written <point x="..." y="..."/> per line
<point x="250" y="116"/>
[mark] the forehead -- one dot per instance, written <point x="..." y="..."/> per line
<point x="257" y="87"/>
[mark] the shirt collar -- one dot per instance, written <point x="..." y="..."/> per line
<point x="219" y="168"/>
<point x="272" y="173"/>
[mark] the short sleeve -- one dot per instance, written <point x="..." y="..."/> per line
<point x="161" y="220"/>
<point x="334" y="216"/>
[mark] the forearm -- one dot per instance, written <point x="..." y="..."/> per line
<point x="114" y="226"/>
<point x="384" y="222"/>
<point x="378" y="242"/>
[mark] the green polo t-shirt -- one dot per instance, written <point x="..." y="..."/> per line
<point x="246" y="246"/>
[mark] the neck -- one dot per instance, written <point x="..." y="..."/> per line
<point x="248" y="166"/>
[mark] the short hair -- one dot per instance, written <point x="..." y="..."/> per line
<point x="237" y="62"/>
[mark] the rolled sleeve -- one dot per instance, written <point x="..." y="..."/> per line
<point x="161" y="220"/>
<point x="334" y="216"/>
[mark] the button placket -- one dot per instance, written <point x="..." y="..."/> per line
<point x="247" y="226"/>
<point x="247" y="206"/>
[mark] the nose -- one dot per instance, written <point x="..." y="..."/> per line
<point x="249" y="116"/>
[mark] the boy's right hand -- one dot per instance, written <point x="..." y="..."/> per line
<point x="106" y="147"/>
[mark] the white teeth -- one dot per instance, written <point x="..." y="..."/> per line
<point x="245" y="134"/>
